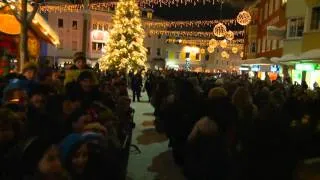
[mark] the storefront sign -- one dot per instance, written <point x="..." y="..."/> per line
<point x="305" y="67"/>
<point x="275" y="68"/>
<point x="255" y="68"/>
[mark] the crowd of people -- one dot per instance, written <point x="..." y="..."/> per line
<point x="228" y="126"/>
<point x="51" y="129"/>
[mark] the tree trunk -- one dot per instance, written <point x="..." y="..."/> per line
<point x="24" y="57"/>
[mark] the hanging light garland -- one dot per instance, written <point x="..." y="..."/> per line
<point x="210" y="49"/>
<point x="202" y="51"/>
<point x="224" y="43"/>
<point x="188" y="33"/>
<point x="203" y="42"/>
<point x="181" y="24"/>
<point x="230" y="35"/>
<point x="213" y="43"/>
<point x="244" y="18"/>
<point x="224" y="54"/>
<point x="241" y="54"/>
<point x="219" y="30"/>
<point x="234" y="50"/>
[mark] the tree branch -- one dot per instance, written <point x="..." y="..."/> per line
<point x="33" y="13"/>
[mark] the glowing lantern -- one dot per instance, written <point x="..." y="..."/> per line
<point x="213" y="43"/>
<point x="230" y="35"/>
<point x="224" y="54"/>
<point x="234" y="50"/>
<point x="244" y="18"/>
<point x="223" y="43"/>
<point x="227" y="56"/>
<point x="241" y="54"/>
<point x="210" y="49"/>
<point x="202" y="51"/>
<point x="219" y="30"/>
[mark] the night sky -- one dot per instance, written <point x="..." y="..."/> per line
<point x="198" y="12"/>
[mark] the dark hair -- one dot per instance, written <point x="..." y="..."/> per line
<point x="79" y="56"/>
<point x="85" y="75"/>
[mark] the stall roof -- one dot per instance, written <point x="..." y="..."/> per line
<point x="309" y="56"/>
<point x="39" y="25"/>
<point x="260" y="60"/>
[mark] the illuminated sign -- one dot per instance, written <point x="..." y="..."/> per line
<point x="274" y="68"/>
<point x="305" y="67"/>
<point x="244" y="68"/>
<point x="255" y="68"/>
<point x="99" y="36"/>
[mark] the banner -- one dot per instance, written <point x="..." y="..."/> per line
<point x="275" y="33"/>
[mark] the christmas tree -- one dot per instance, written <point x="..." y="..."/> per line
<point x="124" y="49"/>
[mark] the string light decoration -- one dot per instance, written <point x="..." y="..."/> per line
<point x="202" y="51"/>
<point x="219" y="30"/>
<point x="182" y="24"/>
<point x="244" y="18"/>
<point x="124" y="49"/>
<point x="189" y="33"/>
<point x="224" y="43"/>
<point x="202" y="42"/>
<point x="210" y="49"/>
<point x="241" y="54"/>
<point x="234" y="50"/>
<point x="230" y="35"/>
<point x="227" y="56"/>
<point x="213" y="43"/>
<point x="224" y="54"/>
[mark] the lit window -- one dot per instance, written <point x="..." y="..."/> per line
<point x="74" y="25"/>
<point x="296" y="26"/>
<point x="315" y="18"/>
<point x="149" y="15"/>
<point x="74" y="45"/>
<point x="60" y="23"/>
<point x="284" y="2"/>
<point x="97" y="46"/>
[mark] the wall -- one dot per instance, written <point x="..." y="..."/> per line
<point x="311" y="39"/>
<point x="276" y="18"/>
<point x="292" y="46"/>
<point x="296" y="8"/>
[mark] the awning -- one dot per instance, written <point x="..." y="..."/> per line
<point x="10" y="25"/>
<point x="261" y="61"/>
<point x="309" y="56"/>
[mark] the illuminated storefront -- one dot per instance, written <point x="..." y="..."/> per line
<point x="306" y="71"/>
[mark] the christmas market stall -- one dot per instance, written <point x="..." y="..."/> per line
<point x="10" y="29"/>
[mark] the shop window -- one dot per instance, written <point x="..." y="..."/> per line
<point x="60" y="23"/>
<point x="100" y="27"/>
<point x="271" y="7"/>
<point x="296" y="27"/>
<point x="315" y="18"/>
<point x="158" y="52"/>
<point x="74" y="45"/>
<point x="74" y="25"/>
<point x="148" y="50"/>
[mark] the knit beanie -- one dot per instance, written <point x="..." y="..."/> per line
<point x="69" y="144"/>
<point x="217" y="92"/>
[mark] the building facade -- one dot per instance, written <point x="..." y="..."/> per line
<point x="70" y="28"/>
<point x="271" y="14"/>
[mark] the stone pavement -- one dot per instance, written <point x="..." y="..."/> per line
<point x="155" y="161"/>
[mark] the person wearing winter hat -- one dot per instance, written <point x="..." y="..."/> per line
<point x="40" y="160"/>
<point x="217" y="92"/>
<point x="74" y="155"/>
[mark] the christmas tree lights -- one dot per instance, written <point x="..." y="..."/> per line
<point x="124" y="49"/>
